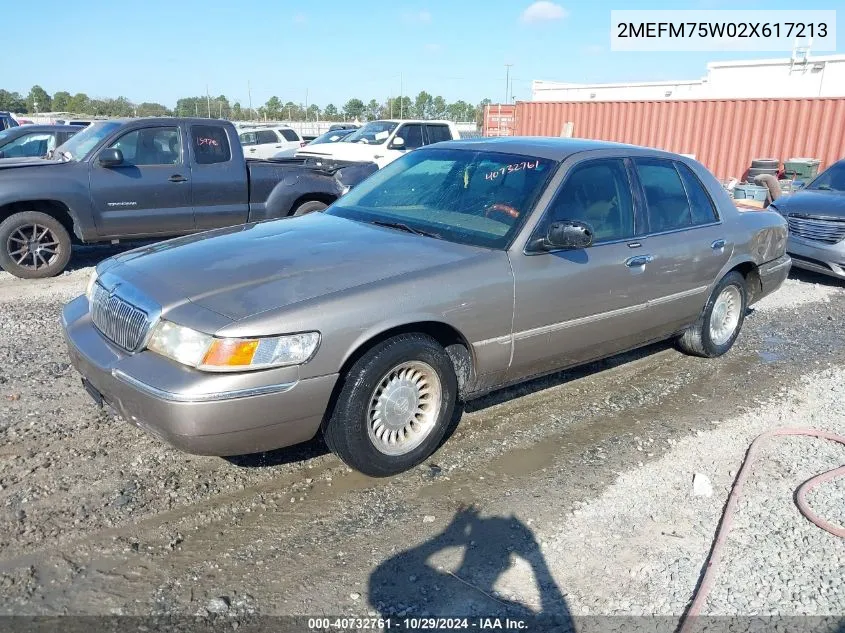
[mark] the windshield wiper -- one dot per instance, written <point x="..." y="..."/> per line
<point x="406" y="228"/>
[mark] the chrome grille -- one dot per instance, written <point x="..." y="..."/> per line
<point x="827" y="231"/>
<point x="122" y="323"/>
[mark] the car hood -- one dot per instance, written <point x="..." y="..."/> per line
<point x="6" y="163"/>
<point x="352" y="152"/>
<point x="815" y="203"/>
<point x="245" y="270"/>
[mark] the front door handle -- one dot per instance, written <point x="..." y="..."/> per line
<point x="638" y="260"/>
<point x="177" y="178"/>
<point x="718" y="245"/>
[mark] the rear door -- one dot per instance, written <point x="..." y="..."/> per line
<point x="575" y="305"/>
<point x="685" y="239"/>
<point x="219" y="180"/>
<point x="290" y="139"/>
<point x="150" y="193"/>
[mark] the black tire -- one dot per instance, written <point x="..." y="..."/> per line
<point x="757" y="171"/>
<point x="310" y="207"/>
<point x="346" y="429"/>
<point x="49" y="261"/>
<point x="765" y="163"/>
<point x="696" y="340"/>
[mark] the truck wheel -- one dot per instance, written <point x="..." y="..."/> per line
<point x="33" y="245"/>
<point x="310" y="207"/>
<point x="721" y="320"/>
<point x="394" y="407"/>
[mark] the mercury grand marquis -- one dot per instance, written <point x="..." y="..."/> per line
<point x="460" y="268"/>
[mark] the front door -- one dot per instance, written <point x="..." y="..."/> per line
<point x="575" y="305"/>
<point x="150" y="193"/>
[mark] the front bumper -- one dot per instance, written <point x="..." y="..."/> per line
<point x="828" y="259"/>
<point x="198" y="412"/>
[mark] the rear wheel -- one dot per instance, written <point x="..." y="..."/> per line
<point x="394" y="407"/>
<point x="310" y="207"/>
<point x="721" y="320"/>
<point x="33" y="245"/>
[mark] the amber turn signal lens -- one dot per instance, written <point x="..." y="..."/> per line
<point x="230" y="353"/>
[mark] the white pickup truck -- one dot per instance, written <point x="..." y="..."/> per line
<point x="382" y="142"/>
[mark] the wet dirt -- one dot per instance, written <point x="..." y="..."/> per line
<point x="98" y="518"/>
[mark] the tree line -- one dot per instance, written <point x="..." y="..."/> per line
<point x="423" y="106"/>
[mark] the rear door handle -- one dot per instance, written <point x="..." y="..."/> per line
<point x="177" y="178"/>
<point x="638" y="260"/>
<point x="718" y="245"/>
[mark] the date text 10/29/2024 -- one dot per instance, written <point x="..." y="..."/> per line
<point x="417" y="624"/>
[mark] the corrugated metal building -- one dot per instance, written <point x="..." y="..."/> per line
<point x="498" y="120"/>
<point x="723" y="134"/>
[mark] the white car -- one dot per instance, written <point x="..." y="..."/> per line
<point x="267" y="142"/>
<point x="382" y="142"/>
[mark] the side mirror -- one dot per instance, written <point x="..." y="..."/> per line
<point x="569" y="235"/>
<point x="111" y="157"/>
<point x="398" y="143"/>
<point x="2" y="154"/>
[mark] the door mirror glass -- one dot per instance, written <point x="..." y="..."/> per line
<point x="568" y="235"/>
<point x="111" y="157"/>
<point x="398" y="143"/>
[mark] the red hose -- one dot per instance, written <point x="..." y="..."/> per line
<point x="700" y="596"/>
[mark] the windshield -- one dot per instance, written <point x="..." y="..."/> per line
<point x="331" y="137"/>
<point x="374" y="133"/>
<point x="832" y="179"/>
<point x="80" y="144"/>
<point x="5" y="135"/>
<point x="470" y="197"/>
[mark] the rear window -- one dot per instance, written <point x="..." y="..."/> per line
<point x="290" y="135"/>
<point x="210" y="144"/>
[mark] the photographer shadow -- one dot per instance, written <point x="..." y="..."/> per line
<point x="411" y="584"/>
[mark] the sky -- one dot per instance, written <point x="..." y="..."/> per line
<point x="331" y="51"/>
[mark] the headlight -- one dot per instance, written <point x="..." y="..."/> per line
<point x="89" y="291"/>
<point x="208" y="353"/>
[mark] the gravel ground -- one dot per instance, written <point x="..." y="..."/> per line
<point x="567" y="495"/>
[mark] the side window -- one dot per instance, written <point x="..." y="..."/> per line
<point x="412" y="135"/>
<point x="150" y="146"/>
<point x="266" y="137"/>
<point x="668" y="207"/>
<point x="598" y="193"/>
<point x="703" y="211"/>
<point x="290" y="135"/>
<point x="210" y="144"/>
<point x="437" y="133"/>
<point x="30" y="145"/>
<point x="248" y="138"/>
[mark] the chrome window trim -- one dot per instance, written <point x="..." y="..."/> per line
<point x="171" y="396"/>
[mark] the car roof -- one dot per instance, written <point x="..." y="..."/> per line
<point x="28" y="129"/>
<point x="546" y="147"/>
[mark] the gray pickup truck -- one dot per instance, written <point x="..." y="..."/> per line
<point x="153" y="178"/>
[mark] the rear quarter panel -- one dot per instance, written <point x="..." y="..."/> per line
<point x="758" y="236"/>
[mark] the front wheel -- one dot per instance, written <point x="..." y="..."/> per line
<point x="33" y="245"/>
<point x="310" y="207"/>
<point x="721" y="320"/>
<point x="394" y="407"/>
